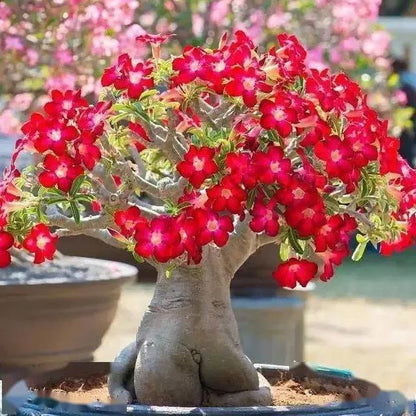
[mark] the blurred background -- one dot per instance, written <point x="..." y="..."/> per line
<point x="363" y="319"/>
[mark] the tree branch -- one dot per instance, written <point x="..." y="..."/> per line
<point x="56" y="219"/>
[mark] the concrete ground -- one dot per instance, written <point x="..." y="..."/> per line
<point x="373" y="339"/>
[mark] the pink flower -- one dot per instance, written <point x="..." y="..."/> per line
<point x="61" y="82"/>
<point x="219" y="11"/>
<point x="377" y="43"/>
<point x="278" y="19"/>
<point x="9" y="123"/>
<point x="13" y="43"/>
<point x="21" y="102"/>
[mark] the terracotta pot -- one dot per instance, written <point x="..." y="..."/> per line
<point x="377" y="402"/>
<point x="47" y="325"/>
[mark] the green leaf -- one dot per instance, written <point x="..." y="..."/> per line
<point x="136" y="257"/>
<point x="170" y="269"/>
<point x="293" y="239"/>
<point x="56" y="200"/>
<point x="75" y="212"/>
<point x="84" y="198"/>
<point x="274" y="137"/>
<point x="76" y="185"/>
<point x="148" y="93"/>
<point x="41" y="215"/>
<point x="359" y="251"/>
<point x="284" y="251"/>
<point x="361" y="238"/>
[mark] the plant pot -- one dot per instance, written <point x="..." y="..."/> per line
<point x="271" y="328"/>
<point x="27" y="403"/>
<point x="270" y="318"/>
<point x="47" y="323"/>
<point x="81" y="245"/>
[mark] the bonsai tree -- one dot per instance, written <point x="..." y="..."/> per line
<point x="192" y="163"/>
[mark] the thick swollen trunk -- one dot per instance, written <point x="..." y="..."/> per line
<point x="188" y="351"/>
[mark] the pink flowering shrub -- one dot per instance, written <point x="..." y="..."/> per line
<point x="231" y="143"/>
<point x="59" y="45"/>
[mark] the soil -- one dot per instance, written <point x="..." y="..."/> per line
<point x="318" y="392"/>
<point x="285" y="392"/>
<point x="77" y="390"/>
<point x="63" y="270"/>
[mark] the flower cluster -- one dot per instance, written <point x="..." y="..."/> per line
<point x="211" y="145"/>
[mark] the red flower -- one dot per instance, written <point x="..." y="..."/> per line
<point x="188" y="230"/>
<point x="309" y="174"/>
<point x="196" y="199"/>
<point x="362" y="143"/>
<point x="279" y="114"/>
<point x="332" y="92"/>
<point x="213" y="227"/>
<point x="247" y="83"/>
<point x="135" y="78"/>
<point x="288" y="61"/>
<point x="129" y="220"/>
<point x="87" y="152"/>
<point x="265" y="218"/>
<point x="154" y="39"/>
<point x="6" y="242"/>
<point x="294" y="271"/>
<point x="228" y="195"/>
<point x="198" y="165"/>
<point x="5" y="258"/>
<point x="335" y="232"/>
<point x="337" y="155"/>
<point x="241" y="169"/>
<point x="92" y="119"/>
<point x="139" y="130"/>
<point x="50" y="134"/>
<point x="297" y="191"/>
<point x="41" y="243"/>
<point x="189" y="65"/>
<point x="60" y="171"/>
<point x="215" y="69"/>
<point x="306" y="220"/>
<point x="159" y="239"/>
<point x="115" y="72"/>
<point x="272" y="167"/>
<point x="65" y="104"/>
<point x="331" y="257"/>
<point x="247" y="132"/>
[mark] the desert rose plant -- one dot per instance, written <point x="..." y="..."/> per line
<point x="192" y="163"/>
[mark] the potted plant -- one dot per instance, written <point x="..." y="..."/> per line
<point x="238" y="149"/>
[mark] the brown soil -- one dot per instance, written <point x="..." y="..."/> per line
<point x="285" y="392"/>
<point x="77" y="390"/>
<point x="312" y="392"/>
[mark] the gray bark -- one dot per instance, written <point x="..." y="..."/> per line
<point x="187" y="351"/>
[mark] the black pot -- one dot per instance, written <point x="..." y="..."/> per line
<point x="378" y="403"/>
